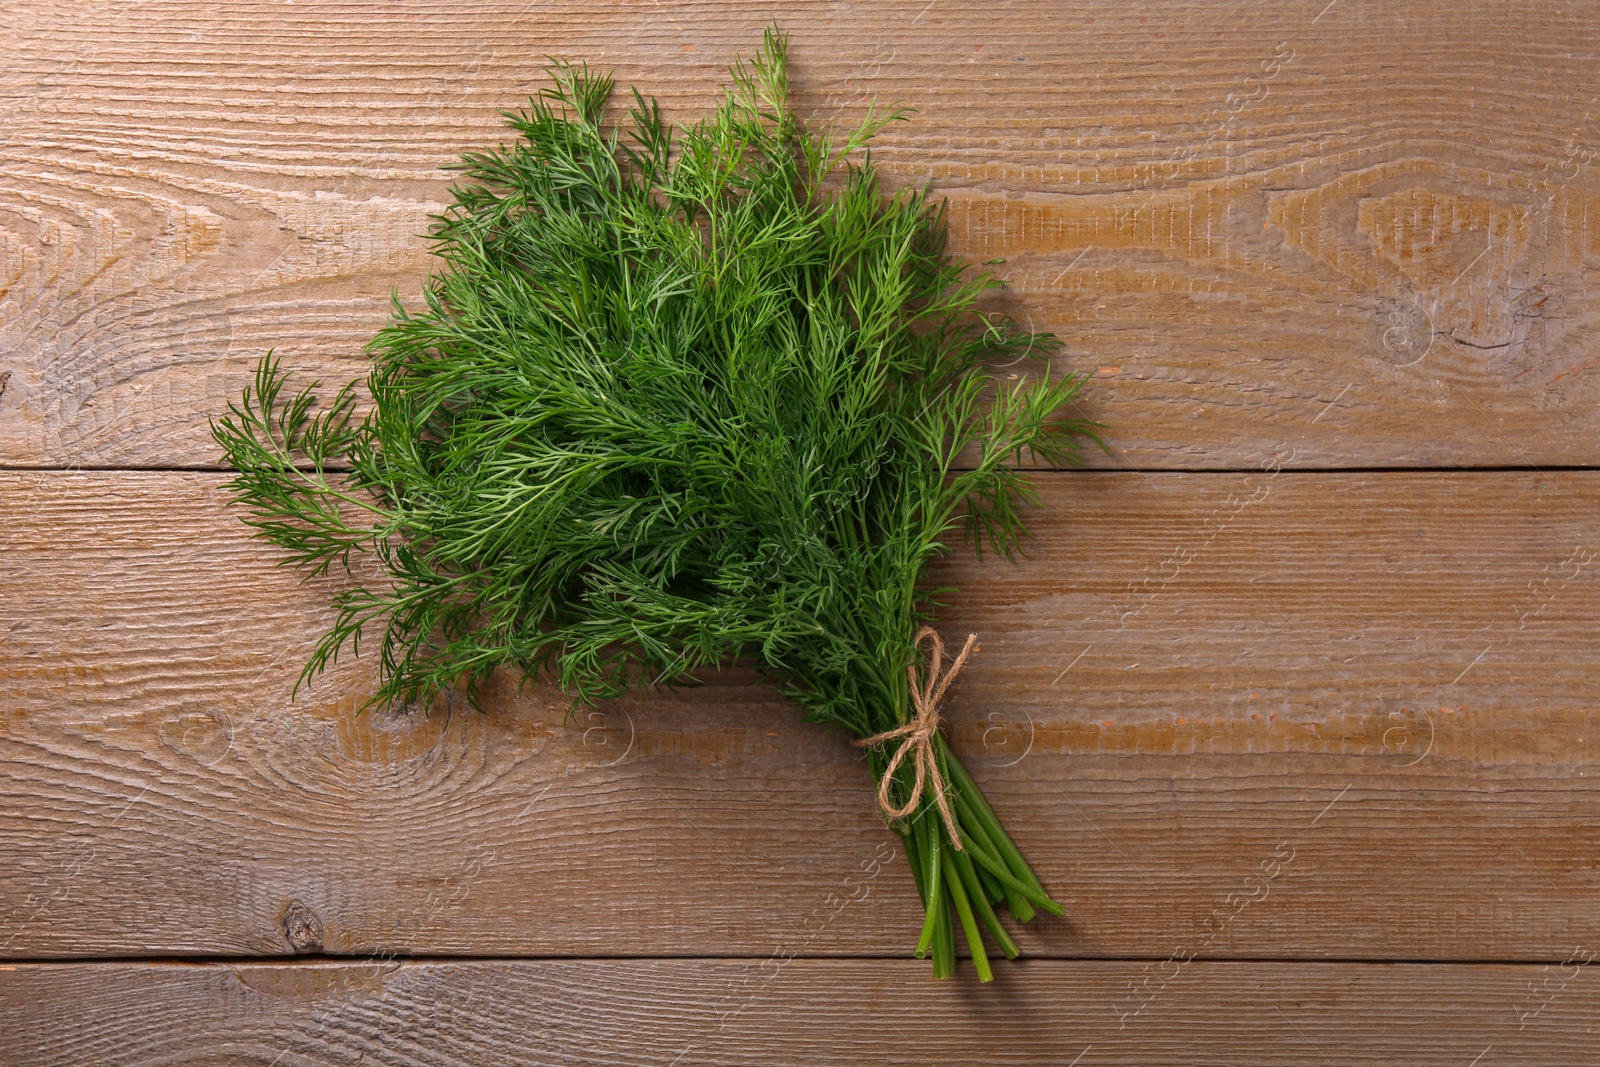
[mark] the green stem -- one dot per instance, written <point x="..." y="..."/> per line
<point x="965" y="886"/>
<point x="1020" y="906"/>
<point x="992" y="889"/>
<point x="986" y="855"/>
<point x="969" y="925"/>
<point x="981" y="905"/>
<point x="991" y="823"/>
<point x="944" y="943"/>
<point x="933" y="889"/>
<point x="913" y="858"/>
<point x="1015" y="893"/>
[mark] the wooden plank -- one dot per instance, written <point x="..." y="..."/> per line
<point x="1265" y="715"/>
<point x="777" y="1011"/>
<point x="1366" y="233"/>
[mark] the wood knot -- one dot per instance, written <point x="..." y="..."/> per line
<point x="302" y="928"/>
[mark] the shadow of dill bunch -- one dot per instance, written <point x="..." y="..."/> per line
<point x="676" y="398"/>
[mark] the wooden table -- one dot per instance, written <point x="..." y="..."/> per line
<point x="1290" y="703"/>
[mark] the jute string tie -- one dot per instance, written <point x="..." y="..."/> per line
<point x="917" y="735"/>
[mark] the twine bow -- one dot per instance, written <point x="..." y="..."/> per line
<point x="919" y="732"/>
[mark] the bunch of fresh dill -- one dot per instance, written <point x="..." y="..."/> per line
<point x="674" y="402"/>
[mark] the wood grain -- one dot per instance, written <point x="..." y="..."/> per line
<point x="1272" y="735"/>
<point x="813" y="1012"/>
<point x="1269" y="715"/>
<point x="1368" y="232"/>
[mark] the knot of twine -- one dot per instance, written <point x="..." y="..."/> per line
<point x="919" y="732"/>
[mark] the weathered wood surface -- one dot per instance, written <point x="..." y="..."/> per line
<point x="1366" y="231"/>
<point x="813" y="1012"/>
<point x="1262" y="716"/>
<point x="1268" y="715"/>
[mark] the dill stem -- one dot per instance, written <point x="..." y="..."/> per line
<point x="944" y="940"/>
<point x="985" y="815"/>
<point x="969" y="925"/>
<point x="981" y="905"/>
<point x="991" y="888"/>
<point x="986" y="855"/>
<point x="932" y="886"/>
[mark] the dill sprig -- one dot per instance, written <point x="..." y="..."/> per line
<point x="677" y="398"/>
